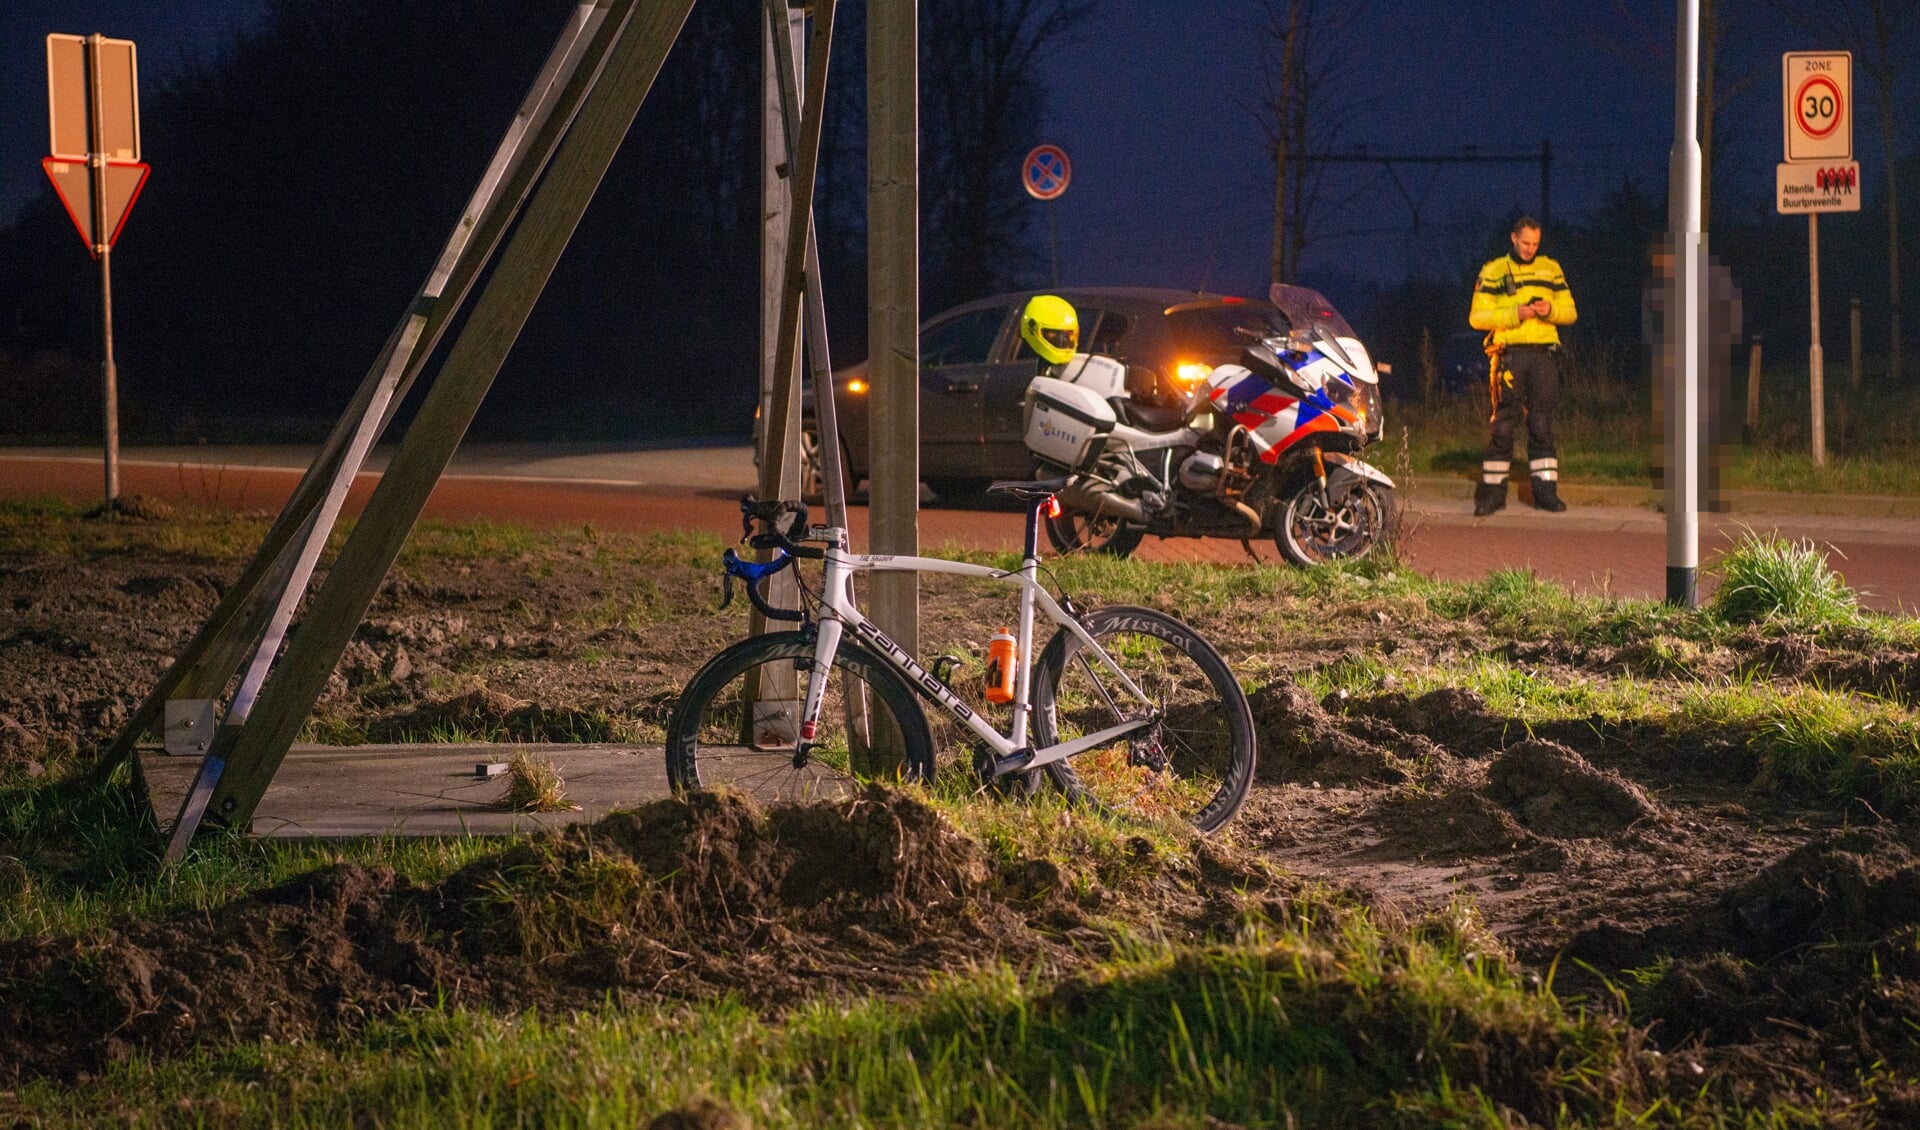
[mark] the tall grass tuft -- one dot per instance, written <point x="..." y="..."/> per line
<point x="534" y="784"/>
<point x="1768" y="579"/>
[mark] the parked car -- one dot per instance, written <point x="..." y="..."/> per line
<point x="974" y="372"/>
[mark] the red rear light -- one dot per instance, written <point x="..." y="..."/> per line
<point x="1053" y="506"/>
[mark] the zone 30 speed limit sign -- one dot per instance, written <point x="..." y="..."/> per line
<point x="1818" y="98"/>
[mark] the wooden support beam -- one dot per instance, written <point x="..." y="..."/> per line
<point x="253" y="754"/>
<point x="803" y="160"/>
<point x="819" y="354"/>
<point x="248" y="608"/>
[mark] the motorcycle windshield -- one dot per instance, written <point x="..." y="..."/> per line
<point x="1309" y="310"/>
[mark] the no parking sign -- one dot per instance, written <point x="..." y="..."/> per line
<point x="1046" y="172"/>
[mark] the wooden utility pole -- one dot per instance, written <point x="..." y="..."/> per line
<point x="893" y="325"/>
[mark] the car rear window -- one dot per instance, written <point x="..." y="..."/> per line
<point x="1208" y="329"/>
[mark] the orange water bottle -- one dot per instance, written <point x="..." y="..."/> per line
<point x="1002" y="662"/>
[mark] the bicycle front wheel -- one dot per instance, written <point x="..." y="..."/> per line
<point x="738" y="724"/>
<point x="1194" y="762"/>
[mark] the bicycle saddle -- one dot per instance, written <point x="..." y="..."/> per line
<point x="1038" y="488"/>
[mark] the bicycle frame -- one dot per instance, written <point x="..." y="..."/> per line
<point x="838" y="612"/>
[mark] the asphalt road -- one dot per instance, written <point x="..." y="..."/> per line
<point x="1605" y="547"/>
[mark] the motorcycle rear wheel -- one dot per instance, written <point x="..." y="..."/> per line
<point x="1075" y="532"/>
<point x="1309" y="531"/>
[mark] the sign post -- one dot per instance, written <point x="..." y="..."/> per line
<point x="1046" y="173"/>
<point x="1819" y="175"/>
<point x="93" y="115"/>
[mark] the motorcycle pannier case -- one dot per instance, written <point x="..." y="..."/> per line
<point x="1067" y="425"/>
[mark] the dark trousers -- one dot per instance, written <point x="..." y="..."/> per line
<point x="1533" y="395"/>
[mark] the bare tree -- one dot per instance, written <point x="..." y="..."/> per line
<point x="981" y="95"/>
<point x="1884" y="36"/>
<point x="1636" y="40"/>
<point x="1299" y="59"/>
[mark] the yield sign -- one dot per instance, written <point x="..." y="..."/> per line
<point x="73" y="180"/>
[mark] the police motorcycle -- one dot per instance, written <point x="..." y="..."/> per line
<point x="1266" y="447"/>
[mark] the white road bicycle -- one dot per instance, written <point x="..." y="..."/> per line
<point x="1127" y="709"/>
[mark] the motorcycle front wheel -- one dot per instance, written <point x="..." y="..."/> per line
<point x="1312" y="528"/>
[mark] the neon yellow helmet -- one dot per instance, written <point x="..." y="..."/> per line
<point x="1050" y="326"/>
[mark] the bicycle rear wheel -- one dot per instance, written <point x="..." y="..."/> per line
<point x="737" y="723"/>
<point x="1195" y="761"/>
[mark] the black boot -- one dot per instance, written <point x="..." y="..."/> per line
<point x="1489" y="497"/>
<point x="1546" y="496"/>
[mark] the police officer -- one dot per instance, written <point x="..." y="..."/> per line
<point x="1521" y="300"/>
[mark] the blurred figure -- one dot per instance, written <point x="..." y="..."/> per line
<point x="1724" y="328"/>
<point x="1520" y="301"/>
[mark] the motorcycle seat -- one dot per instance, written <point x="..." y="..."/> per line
<point x="1154" y="417"/>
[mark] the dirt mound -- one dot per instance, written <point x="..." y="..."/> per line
<point x="690" y="898"/>
<point x="298" y="961"/>
<point x="715" y="856"/>
<point x="1454" y="717"/>
<point x="491" y="714"/>
<point x="1834" y="661"/>
<point x="1887" y="671"/>
<point x="1301" y="741"/>
<point x="1459" y="824"/>
<point x="1817" y="948"/>
<point x="701" y="1114"/>
<point x="1556" y="792"/>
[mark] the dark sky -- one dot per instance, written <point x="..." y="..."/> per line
<point x="168" y="35"/>
<point x="1172" y="183"/>
<point x="1154" y="100"/>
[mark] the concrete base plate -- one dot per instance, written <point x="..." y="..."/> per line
<point x="420" y="790"/>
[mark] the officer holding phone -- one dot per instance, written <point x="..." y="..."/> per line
<point x="1521" y="300"/>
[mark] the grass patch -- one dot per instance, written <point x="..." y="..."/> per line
<point x="87" y="860"/>
<point x="1770" y="579"/>
<point x="1604" y="427"/>
<point x="1325" y="1020"/>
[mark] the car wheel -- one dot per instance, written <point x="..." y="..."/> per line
<point x="813" y="478"/>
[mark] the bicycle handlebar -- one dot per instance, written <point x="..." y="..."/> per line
<point x="753" y="574"/>
<point x="778" y="516"/>
<point x="776" y="537"/>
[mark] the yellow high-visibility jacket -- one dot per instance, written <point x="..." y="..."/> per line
<point x="1505" y="285"/>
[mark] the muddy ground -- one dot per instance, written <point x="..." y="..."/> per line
<point x="1786" y="929"/>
